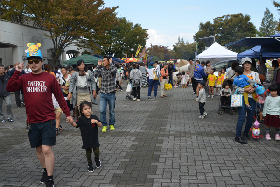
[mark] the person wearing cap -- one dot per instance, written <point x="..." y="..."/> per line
<point x="38" y="87"/>
<point x="153" y="79"/>
<point x="254" y="76"/>
<point x="191" y="69"/>
<point x="201" y="99"/>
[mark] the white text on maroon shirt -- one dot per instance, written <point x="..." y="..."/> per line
<point x="36" y="86"/>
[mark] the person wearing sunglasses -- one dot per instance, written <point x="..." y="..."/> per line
<point x="38" y="87"/>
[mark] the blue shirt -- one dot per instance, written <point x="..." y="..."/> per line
<point x="241" y="81"/>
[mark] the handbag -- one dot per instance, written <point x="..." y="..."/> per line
<point x="236" y="100"/>
<point x="129" y="88"/>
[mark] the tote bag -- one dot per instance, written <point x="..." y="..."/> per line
<point x="236" y="100"/>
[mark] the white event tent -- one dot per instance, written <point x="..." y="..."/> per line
<point x="217" y="51"/>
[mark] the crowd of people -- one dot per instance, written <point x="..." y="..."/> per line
<point x="47" y="94"/>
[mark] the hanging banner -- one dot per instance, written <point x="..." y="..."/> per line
<point x="138" y="50"/>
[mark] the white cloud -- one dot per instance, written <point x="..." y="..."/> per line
<point x="167" y="40"/>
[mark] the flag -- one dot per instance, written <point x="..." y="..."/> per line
<point x="138" y="50"/>
<point x="143" y="52"/>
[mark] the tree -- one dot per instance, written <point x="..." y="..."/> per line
<point x="184" y="50"/>
<point x="277" y="5"/>
<point x="124" y="38"/>
<point x="79" y="22"/>
<point x="227" y="29"/>
<point x="160" y="52"/>
<point x="268" y="24"/>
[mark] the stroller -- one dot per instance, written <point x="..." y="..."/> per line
<point x="225" y="102"/>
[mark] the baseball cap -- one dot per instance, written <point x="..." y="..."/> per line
<point x="246" y="59"/>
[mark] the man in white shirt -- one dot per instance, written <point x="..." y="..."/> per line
<point x="27" y="70"/>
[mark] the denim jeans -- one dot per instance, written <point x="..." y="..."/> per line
<point x="242" y="115"/>
<point x="104" y="98"/>
<point x="201" y="108"/>
<point x="153" y="83"/>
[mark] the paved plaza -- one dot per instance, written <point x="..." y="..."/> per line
<point x="159" y="143"/>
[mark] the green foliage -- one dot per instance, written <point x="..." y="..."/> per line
<point x="160" y="53"/>
<point x="184" y="50"/>
<point x="227" y="29"/>
<point x="80" y="22"/>
<point x="268" y="24"/>
<point x="277" y="5"/>
<point x="124" y="38"/>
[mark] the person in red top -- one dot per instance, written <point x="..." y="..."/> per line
<point x="38" y="87"/>
<point x="163" y="80"/>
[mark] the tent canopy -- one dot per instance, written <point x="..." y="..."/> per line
<point x="253" y="41"/>
<point x="251" y="53"/>
<point x="217" y="51"/>
<point x="88" y="59"/>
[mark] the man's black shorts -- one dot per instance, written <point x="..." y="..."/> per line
<point x="42" y="133"/>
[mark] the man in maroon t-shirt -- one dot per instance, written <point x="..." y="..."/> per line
<point x="38" y="87"/>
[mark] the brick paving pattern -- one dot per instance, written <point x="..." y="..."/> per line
<point x="159" y="143"/>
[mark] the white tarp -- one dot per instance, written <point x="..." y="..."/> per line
<point x="217" y="51"/>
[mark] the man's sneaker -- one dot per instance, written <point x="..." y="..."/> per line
<point x="22" y="103"/>
<point x="104" y="129"/>
<point x="267" y="137"/>
<point x="204" y="113"/>
<point x="3" y="120"/>
<point x="112" y="127"/>
<point x="90" y="168"/>
<point x="212" y="96"/>
<point x="194" y="92"/>
<point x="44" y="178"/>
<point x="201" y="116"/>
<point x="149" y="97"/>
<point x="138" y="99"/>
<point x="98" y="163"/>
<point x="50" y="183"/>
<point x="209" y="96"/>
<point x="277" y="137"/>
<point x="10" y="120"/>
<point x="134" y="99"/>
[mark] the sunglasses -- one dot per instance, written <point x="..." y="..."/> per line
<point x="31" y="61"/>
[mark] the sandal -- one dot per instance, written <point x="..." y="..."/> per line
<point x="60" y="128"/>
<point x="56" y="131"/>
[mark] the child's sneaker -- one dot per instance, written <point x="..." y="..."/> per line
<point x="201" y="116"/>
<point x="98" y="163"/>
<point x="104" y="129"/>
<point x="267" y="137"/>
<point x="204" y="113"/>
<point x="138" y="99"/>
<point x="112" y="127"/>
<point x="277" y="137"/>
<point x="90" y="168"/>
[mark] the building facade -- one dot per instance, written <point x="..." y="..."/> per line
<point x="13" y="43"/>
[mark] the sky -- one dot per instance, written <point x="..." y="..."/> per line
<point x="167" y="20"/>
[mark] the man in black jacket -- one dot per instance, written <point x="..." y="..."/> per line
<point x="4" y="95"/>
<point x="17" y="93"/>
